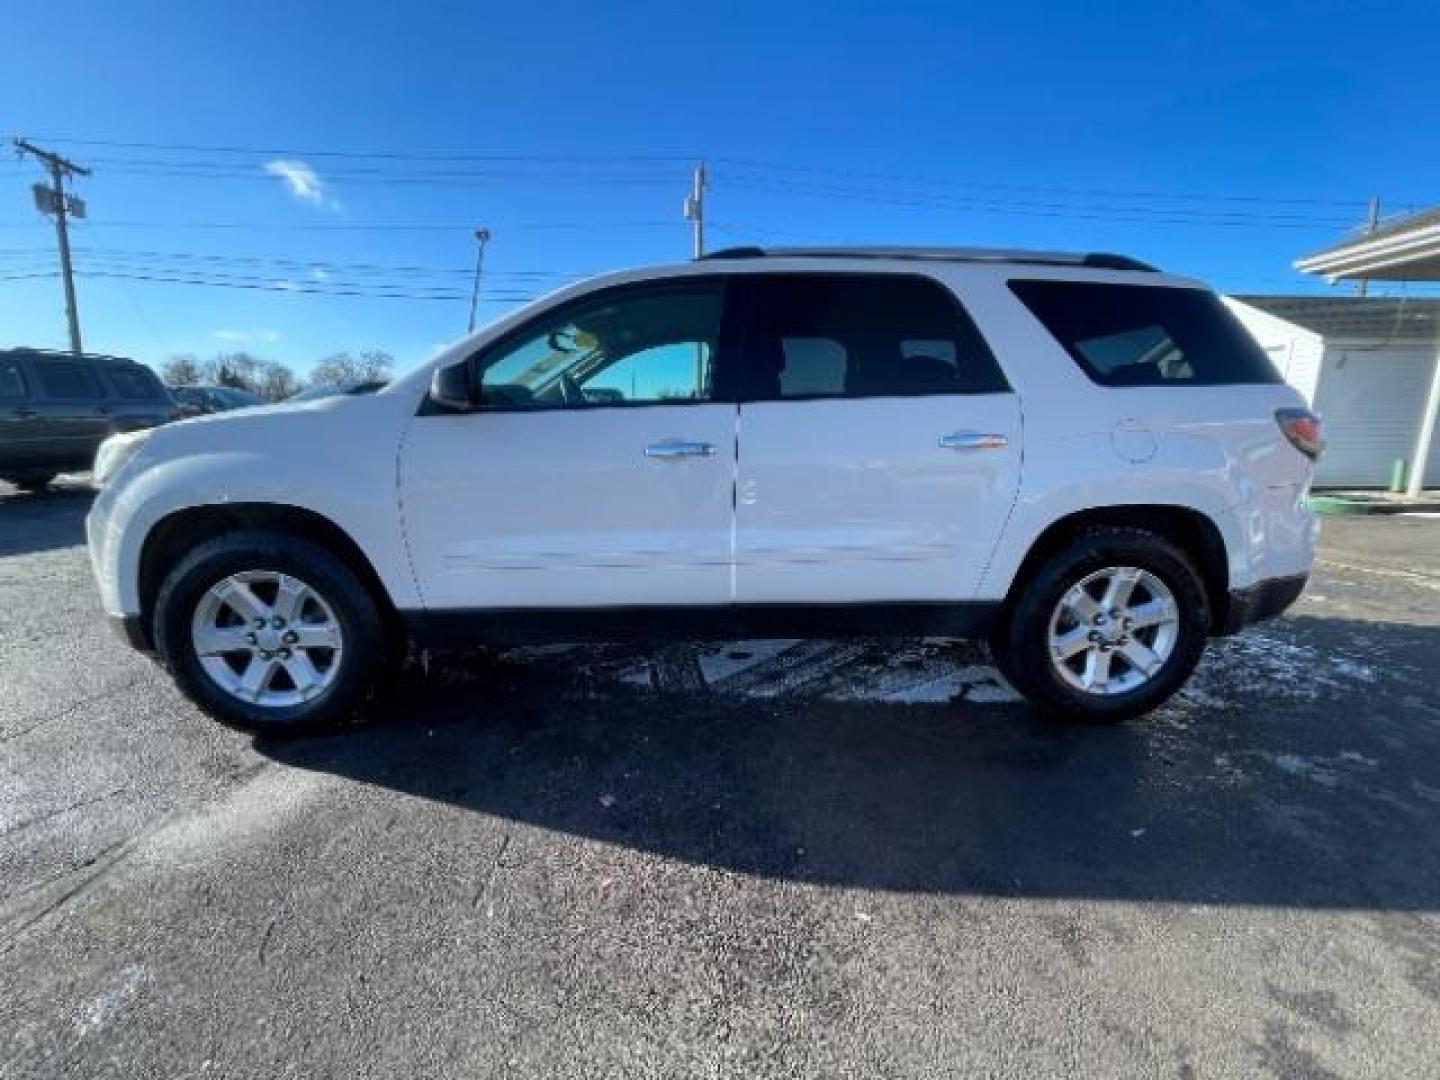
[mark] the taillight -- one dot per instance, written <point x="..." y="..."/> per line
<point x="1302" y="428"/>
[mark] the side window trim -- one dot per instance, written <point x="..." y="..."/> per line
<point x="750" y="336"/>
<point x="723" y="381"/>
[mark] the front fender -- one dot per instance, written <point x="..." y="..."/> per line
<point x="364" y="506"/>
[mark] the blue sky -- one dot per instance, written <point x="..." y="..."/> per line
<point x="1220" y="139"/>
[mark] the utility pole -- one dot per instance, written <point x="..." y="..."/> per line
<point x="695" y="206"/>
<point x="53" y="200"/>
<point x="695" y="214"/>
<point x="1370" y="226"/>
<point x="482" y="237"/>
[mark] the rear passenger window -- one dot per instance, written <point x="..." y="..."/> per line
<point x="67" y="379"/>
<point x="1146" y="335"/>
<point x="12" y="380"/>
<point x="134" y="384"/>
<point x="861" y="336"/>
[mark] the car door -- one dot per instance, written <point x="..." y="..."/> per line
<point x="20" y="427"/>
<point x="74" y="411"/>
<point x="597" y="468"/>
<point x="879" y="442"/>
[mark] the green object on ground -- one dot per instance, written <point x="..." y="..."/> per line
<point x="1376" y="502"/>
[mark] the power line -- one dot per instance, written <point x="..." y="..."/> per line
<point x="1041" y="209"/>
<point x="256" y="226"/>
<point x="377" y="178"/>
<point x="317" y="264"/>
<point x="462" y="156"/>
<point x="392" y="155"/>
<point x="1113" y="193"/>
<point x="303" y="288"/>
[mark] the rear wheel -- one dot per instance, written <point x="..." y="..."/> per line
<point x="268" y="631"/>
<point x="1108" y="628"/>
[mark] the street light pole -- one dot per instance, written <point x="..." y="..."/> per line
<point x="482" y="237"/>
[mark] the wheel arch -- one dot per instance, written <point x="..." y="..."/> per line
<point x="1191" y="530"/>
<point x="170" y="537"/>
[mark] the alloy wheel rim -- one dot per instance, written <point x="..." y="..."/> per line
<point x="1113" y="631"/>
<point x="267" y="638"/>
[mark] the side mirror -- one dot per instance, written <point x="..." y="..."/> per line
<point x="450" y="387"/>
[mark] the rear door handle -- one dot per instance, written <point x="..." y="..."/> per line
<point x="679" y="448"/>
<point x="973" y="440"/>
<point x="25" y="414"/>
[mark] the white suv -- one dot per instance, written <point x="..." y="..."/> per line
<point x="1084" y="460"/>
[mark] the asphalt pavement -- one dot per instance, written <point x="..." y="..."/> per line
<point x="774" y="858"/>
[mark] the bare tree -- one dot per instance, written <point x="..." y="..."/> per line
<point x="182" y="369"/>
<point x="237" y="369"/>
<point x="342" y="367"/>
<point x="376" y="364"/>
<point x="277" y="382"/>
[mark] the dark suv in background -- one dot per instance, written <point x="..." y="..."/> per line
<point x="56" y="409"/>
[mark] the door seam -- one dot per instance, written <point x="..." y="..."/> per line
<point x="735" y="508"/>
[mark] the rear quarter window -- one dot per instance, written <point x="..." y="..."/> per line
<point x="1147" y="335"/>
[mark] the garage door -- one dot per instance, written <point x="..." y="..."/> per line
<point x="1371" y="402"/>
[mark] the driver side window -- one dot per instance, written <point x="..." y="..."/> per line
<point x="655" y="346"/>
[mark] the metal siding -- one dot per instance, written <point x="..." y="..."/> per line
<point x="1371" y="398"/>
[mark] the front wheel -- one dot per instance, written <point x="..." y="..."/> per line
<point x="1108" y="628"/>
<point x="268" y="631"/>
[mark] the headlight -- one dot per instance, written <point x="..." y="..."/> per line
<point x="114" y="452"/>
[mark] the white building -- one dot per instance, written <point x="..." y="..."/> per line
<point x="1364" y="365"/>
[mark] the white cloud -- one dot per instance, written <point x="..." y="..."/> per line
<point x="303" y="181"/>
<point x="319" y="273"/>
<point x="266" y="337"/>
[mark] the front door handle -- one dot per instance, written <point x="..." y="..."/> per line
<point x="26" y="414"/>
<point x="679" y="448"/>
<point x="973" y="440"/>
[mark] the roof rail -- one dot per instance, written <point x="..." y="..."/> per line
<point x="1095" y="260"/>
<point x="63" y="354"/>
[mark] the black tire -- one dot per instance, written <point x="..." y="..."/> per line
<point x="355" y="608"/>
<point x="32" y="481"/>
<point x="1021" y="643"/>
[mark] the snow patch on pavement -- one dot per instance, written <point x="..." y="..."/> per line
<point x="114" y="996"/>
<point x="1329" y="771"/>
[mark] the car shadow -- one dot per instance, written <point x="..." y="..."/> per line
<point x="32" y="521"/>
<point x="1277" y="779"/>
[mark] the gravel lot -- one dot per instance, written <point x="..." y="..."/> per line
<point x="762" y="859"/>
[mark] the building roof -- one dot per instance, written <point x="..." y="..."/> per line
<point x="1407" y="249"/>
<point x="1381" y="318"/>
